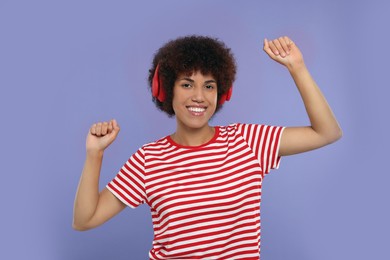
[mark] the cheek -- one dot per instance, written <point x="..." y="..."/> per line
<point x="174" y="97"/>
<point x="174" y="104"/>
<point x="213" y="97"/>
<point x="177" y="101"/>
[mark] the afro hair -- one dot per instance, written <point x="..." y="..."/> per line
<point x="186" y="55"/>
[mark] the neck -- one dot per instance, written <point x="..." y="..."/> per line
<point x="193" y="137"/>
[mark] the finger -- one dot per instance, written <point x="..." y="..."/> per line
<point x="279" y="47"/>
<point x="289" y="42"/>
<point x="273" y="48"/>
<point x="265" y="45"/>
<point x="104" y="128"/>
<point x="115" y="127"/>
<point x="110" y="127"/>
<point x="98" y="129"/>
<point x="115" y="124"/>
<point x="92" y="130"/>
<point x="284" y="44"/>
<point x="267" y="48"/>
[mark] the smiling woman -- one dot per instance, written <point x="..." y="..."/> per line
<point x="203" y="183"/>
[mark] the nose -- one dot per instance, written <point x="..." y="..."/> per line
<point x="198" y="95"/>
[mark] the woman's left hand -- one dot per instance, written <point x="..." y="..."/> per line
<point x="284" y="51"/>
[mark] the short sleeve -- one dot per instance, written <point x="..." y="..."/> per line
<point x="264" y="140"/>
<point x="129" y="183"/>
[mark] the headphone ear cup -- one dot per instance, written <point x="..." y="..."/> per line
<point x="227" y="96"/>
<point x="157" y="90"/>
<point x="156" y="82"/>
<point x="229" y="93"/>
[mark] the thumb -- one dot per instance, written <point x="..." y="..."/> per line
<point x="115" y="127"/>
<point x="113" y="130"/>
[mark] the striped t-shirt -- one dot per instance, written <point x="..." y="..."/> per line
<point x="204" y="200"/>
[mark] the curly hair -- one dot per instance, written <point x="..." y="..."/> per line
<point x="186" y="55"/>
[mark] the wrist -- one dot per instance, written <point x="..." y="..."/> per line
<point x="296" y="68"/>
<point x="95" y="153"/>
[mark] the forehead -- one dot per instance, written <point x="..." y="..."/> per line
<point x="195" y="75"/>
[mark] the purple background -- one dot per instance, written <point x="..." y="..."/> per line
<point x="66" y="64"/>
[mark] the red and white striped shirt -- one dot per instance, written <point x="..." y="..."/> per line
<point x="204" y="200"/>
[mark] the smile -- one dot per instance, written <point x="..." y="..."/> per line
<point x="196" y="109"/>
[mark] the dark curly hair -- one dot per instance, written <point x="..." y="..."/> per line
<point x="188" y="54"/>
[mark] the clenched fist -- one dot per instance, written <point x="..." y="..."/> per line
<point x="101" y="135"/>
<point x="284" y="51"/>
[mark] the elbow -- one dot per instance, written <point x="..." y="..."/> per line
<point x="76" y="226"/>
<point x="335" y="135"/>
<point x="340" y="134"/>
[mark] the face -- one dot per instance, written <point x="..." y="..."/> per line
<point x="194" y="100"/>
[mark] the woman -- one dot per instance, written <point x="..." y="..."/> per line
<point x="202" y="183"/>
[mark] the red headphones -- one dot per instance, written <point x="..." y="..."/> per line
<point x="159" y="93"/>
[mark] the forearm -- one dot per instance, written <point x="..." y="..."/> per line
<point x="321" y="117"/>
<point x="87" y="195"/>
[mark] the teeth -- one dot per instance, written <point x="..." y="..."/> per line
<point x="196" y="109"/>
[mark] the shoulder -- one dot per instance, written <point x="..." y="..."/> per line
<point x="251" y="130"/>
<point x="239" y="127"/>
<point x="237" y="130"/>
<point x="159" y="148"/>
<point x="163" y="141"/>
<point x="229" y="128"/>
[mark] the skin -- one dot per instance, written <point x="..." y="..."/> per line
<point x="92" y="208"/>
<point x="324" y="128"/>
<point x="191" y="93"/>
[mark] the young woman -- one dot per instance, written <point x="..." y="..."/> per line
<point x="202" y="183"/>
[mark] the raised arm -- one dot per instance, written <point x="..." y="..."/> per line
<point x="92" y="208"/>
<point x="324" y="128"/>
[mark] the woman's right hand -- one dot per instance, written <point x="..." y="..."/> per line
<point x="101" y="135"/>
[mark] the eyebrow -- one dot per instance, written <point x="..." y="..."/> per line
<point x="206" y="82"/>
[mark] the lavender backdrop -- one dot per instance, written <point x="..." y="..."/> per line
<point x="67" y="64"/>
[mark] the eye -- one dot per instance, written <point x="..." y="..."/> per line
<point x="186" y="85"/>
<point x="209" y="87"/>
